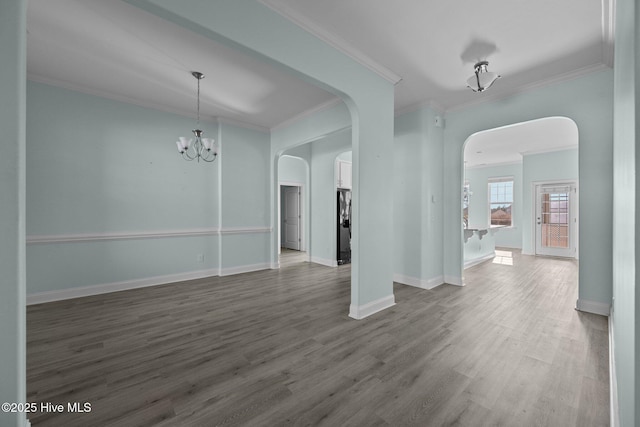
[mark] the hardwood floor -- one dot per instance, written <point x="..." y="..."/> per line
<point x="277" y="348"/>
<point x="289" y="257"/>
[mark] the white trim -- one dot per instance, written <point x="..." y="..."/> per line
<point x="453" y="280"/>
<point x="491" y="165"/>
<point x="241" y="124"/>
<point x="290" y="183"/>
<point x="594" y="307"/>
<point x="613" y="381"/>
<point x="332" y="40"/>
<point x="479" y="260"/>
<point x="311" y="111"/>
<point x="229" y="271"/>
<point x="113" y="96"/>
<point x="84" y="291"/>
<point x="245" y="230"/>
<point x="323" y="261"/>
<point x="551" y="149"/>
<point x="96" y="237"/>
<point x="361" y="311"/>
<point x="142" y="103"/>
<point x="417" y="282"/>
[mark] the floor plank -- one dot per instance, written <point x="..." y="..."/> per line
<point x="277" y="348"/>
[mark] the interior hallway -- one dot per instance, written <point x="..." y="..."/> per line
<point x="276" y="347"/>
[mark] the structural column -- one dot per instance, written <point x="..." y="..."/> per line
<point x="13" y="32"/>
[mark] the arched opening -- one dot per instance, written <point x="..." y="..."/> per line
<point x="520" y="193"/>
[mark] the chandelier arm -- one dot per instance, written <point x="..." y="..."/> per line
<point x="187" y="156"/>
<point x="207" y="157"/>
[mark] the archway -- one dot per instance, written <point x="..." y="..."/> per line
<point x="503" y="168"/>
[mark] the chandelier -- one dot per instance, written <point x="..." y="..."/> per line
<point x="198" y="148"/>
<point x="482" y="78"/>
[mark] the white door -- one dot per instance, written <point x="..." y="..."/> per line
<point x="556" y="220"/>
<point x="292" y="218"/>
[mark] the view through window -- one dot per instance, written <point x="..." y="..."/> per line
<point x="500" y="201"/>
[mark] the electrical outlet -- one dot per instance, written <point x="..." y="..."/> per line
<point x="200" y="258"/>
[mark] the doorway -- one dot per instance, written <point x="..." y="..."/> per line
<point x="556" y="219"/>
<point x="291" y="217"/>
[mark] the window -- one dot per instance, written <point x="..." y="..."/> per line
<point x="500" y="201"/>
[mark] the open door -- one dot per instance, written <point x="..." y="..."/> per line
<point x="291" y="218"/>
<point x="556" y="220"/>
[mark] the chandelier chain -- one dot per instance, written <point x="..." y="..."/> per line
<point x="198" y="105"/>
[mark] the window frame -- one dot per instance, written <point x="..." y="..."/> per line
<point x="490" y="202"/>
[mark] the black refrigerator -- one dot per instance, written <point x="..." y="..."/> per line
<point x="344" y="227"/>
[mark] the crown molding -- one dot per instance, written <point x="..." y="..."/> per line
<point x="571" y="75"/>
<point x="332" y="40"/>
<point x="313" y="110"/>
<point x="493" y="165"/>
<point x="550" y="150"/>
<point x="140" y="103"/>
<point x="112" y="96"/>
<point x="241" y="124"/>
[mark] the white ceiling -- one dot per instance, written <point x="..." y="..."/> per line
<point x="433" y="45"/>
<point x="507" y="145"/>
<point x="113" y="49"/>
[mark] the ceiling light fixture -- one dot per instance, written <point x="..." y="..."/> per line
<point x="200" y="148"/>
<point x="482" y="79"/>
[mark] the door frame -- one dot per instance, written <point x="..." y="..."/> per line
<point x="574" y="206"/>
<point x="301" y="225"/>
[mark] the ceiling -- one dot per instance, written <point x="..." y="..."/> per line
<point x="113" y="49"/>
<point x="507" y="145"/>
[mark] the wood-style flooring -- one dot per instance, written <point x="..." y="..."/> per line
<point x="276" y="348"/>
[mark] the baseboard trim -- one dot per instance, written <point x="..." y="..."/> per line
<point x="453" y="280"/>
<point x="479" y="260"/>
<point x="601" y="308"/>
<point x="418" y="283"/>
<point x="85" y="291"/>
<point x="229" y="271"/>
<point x="323" y="261"/>
<point x="361" y="311"/>
<point x="613" y="380"/>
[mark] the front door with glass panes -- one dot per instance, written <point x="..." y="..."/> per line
<point x="556" y="220"/>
